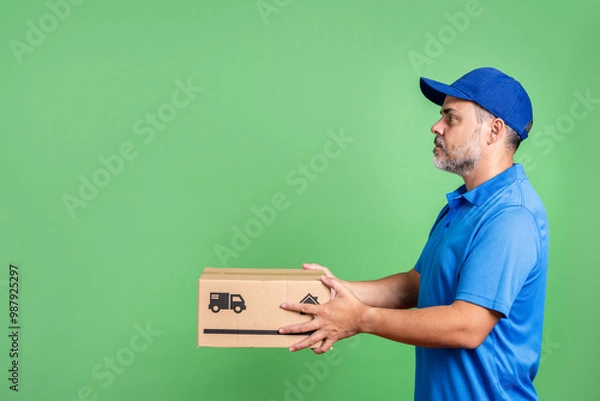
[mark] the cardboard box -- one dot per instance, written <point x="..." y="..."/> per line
<point x="240" y="307"/>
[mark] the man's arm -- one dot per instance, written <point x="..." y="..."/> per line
<point x="397" y="291"/>
<point x="459" y="325"/>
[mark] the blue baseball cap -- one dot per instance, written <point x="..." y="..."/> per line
<point x="498" y="93"/>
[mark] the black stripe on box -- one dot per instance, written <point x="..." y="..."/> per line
<point x="250" y="332"/>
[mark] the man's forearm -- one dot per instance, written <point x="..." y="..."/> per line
<point x="460" y="325"/>
<point x="397" y="291"/>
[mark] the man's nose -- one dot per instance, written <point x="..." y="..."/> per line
<point x="436" y="129"/>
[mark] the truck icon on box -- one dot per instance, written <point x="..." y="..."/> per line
<point x="225" y="301"/>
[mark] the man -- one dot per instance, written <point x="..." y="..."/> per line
<point x="479" y="284"/>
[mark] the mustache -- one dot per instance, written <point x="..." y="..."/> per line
<point x="439" y="142"/>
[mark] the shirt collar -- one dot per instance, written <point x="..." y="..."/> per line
<point x="481" y="193"/>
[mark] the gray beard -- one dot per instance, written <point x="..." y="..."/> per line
<point x="461" y="160"/>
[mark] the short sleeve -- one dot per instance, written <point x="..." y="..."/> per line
<point x="440" y="216"/>
<point x="504" y="251"/>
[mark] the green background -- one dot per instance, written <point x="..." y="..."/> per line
<point x="274" y="87"/>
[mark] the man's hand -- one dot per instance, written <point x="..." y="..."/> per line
<point x="328" y="273"/>
<point x="337" y="319"/>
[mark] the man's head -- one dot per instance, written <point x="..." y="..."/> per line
<point x="482" y="112"/>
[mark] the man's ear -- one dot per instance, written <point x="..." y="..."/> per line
<point x="496" y="130"/>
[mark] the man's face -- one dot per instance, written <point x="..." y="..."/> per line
<point x="457" y="137"/>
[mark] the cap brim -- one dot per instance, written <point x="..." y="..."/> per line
<point x="437" y="91"/>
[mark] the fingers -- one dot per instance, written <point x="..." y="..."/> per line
<point x="336" y="286"/>
<point x="326" y="346"/>
<point x="299" y="328"/>
<point x="304" y="327"/>
<point x="307" y="342"/>
<point x="328" y="273"/>
<point x="315" y="266"/>
<point x="332" y="282"/>
<point x="315" y="338"/>
<point x="312" y="266"/>
<point x="308" y="309"/>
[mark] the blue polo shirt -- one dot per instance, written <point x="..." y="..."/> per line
<point x="488" y="246"/>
